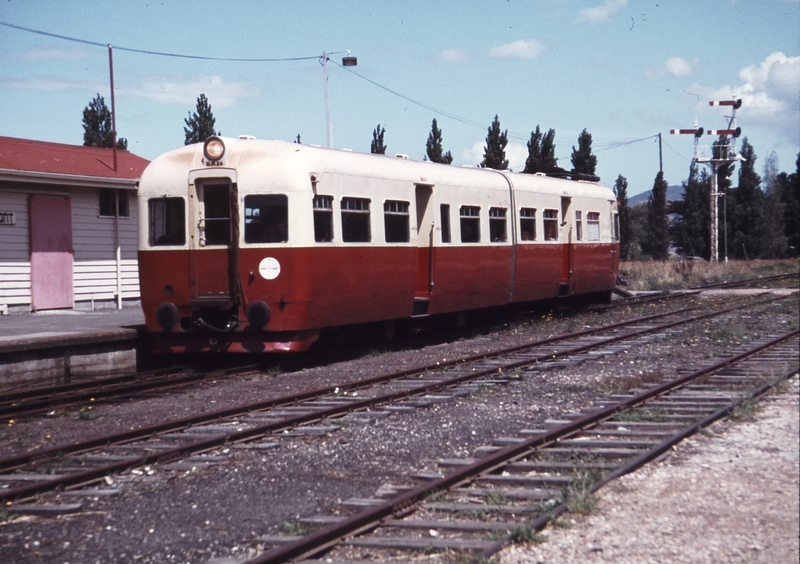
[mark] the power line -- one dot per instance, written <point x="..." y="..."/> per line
<point x="618" y="145"/>
<point x="148" y="52"/>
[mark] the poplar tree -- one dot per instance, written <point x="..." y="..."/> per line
<point x="494" y="154"/>
<point x="200" y="125"/>
<point x="582" y="158"/>
<point x="747" y="199"/>
<point x="658" y="225"/>
<point x="97" y="130"/>
<point x="791" y="210"/>
<point x="433" y="147"/>
<point x="621" y="192"/>
<point x="693" y="229"/>
<point x="378" y="147"/>
<point x="541" y="151"/>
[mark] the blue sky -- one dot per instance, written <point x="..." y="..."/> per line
<point x="623" y="69"/>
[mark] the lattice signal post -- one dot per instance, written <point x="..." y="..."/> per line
<point x="720" y="155"/>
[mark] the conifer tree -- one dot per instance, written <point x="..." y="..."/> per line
<point x="494" y="154"/>
<point x="657" y="219"/>
<point x="747" y="200"/>
<point x="693" y="229"/>
<point x="200" y="125"/>
<point x="97" y="130"/>
<point x="433" y="147"/>
<point x="378" y="147"/>
<point x="771" y="228"/>
<point x="582" y="158"/>
<point x="541" y="151"/>
<point x="791" y="210"/>
<point x="621" y="192"/>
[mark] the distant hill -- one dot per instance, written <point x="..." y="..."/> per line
<point x="673" y="193"/>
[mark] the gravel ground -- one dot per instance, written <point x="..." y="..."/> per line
<point x="216" y="512"/>
<point x="731" y="497"/>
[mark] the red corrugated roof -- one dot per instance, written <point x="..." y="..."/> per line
<point x="58" y="158"/>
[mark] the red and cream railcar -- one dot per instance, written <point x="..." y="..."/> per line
<point x="257" y="246"/>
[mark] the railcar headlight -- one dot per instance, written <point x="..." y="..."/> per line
<point x="214" y="148"/>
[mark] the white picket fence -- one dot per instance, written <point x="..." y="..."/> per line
<point x="92" y="281"/>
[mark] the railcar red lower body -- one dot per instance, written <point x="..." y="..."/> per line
<point x="325" y="287"/>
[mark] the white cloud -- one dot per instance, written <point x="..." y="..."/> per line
<point x="52" y="84"/>
<point x="601" y="13"/>
<point x="674" y="66"/>
<point x="522" y="49"/>
<point x="185" y="90"/>
<point x="769" y="95"/>
<point x="454" y="55"/>
<point x="48" y="54"/>
<point x="515" y="153"/>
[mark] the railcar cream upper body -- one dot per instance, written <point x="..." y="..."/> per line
<point x="380" y="186"/>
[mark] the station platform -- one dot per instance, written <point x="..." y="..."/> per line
<point x="58" y="346"/>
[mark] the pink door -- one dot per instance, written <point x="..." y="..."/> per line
<point x="51" y="253"/>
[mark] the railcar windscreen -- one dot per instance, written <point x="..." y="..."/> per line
<point x="395" y="220"/>
<point x="355" y="220"/>
<point x="527" y="224"/>
<point x="217" y="207"/>
<point x="167" y="217"/>
<point x="470" y="224"/>
<point x="323" y="219"/>
<point x="266" y="219"/>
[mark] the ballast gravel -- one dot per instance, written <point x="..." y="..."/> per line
<point x="731" y="497"/>
<point x="216" y="512"/>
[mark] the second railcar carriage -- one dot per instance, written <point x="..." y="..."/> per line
<point x="248" y="245"/>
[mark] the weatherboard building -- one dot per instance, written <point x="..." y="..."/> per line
<point x="68" y="226"/>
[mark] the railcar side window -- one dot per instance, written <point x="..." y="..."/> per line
<point x="593" y="226"/>
<point x="395" y="221"/>
<point x="355" y="220"/>
<point x="445" y="212"/>
<point x="266" y="219"/>
<point x="167" y="218"/>
<point x="550" y="225"/>
<point x="470" y="224"/>
<point x="497" y="225"/>
<point x="217" y="205"/>
<point x="578" y="226"/>
<point x="616" y="226"/>
<point x="527" y="224"/>
<point x="323" y="219"/>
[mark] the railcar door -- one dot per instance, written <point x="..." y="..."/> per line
<point x="213" y="262"/>
<point x="425" y="230"/>
<point x="566" y="257"/>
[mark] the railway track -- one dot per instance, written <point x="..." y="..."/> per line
<point x="511" y="490"/>
<point x="317" y="411"/>
<point x="31" y="402"/>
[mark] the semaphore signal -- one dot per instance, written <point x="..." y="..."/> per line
<point x="721" y="155"/>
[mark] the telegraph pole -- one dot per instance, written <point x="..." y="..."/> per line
<point x="720" y="155"/>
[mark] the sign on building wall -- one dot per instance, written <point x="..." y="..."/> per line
<point x="7" y="218"/>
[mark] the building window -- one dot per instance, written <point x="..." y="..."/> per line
<point x="395" y="221"/>
<point x="167" y="220"/>
<point x="527" y="224"/>
<point x="355" y="220"/>
<point x="593" y="226"/>
<point x="550" y="225"/>
<point x="470" y="224"/>
<point x="445" y="213"/>
<point x="323" y="219"/>
<point x="578" y="226"/>
<point x="114" y="203"/>
<point x="266" y="219"/>
<point x="497" y="225"/>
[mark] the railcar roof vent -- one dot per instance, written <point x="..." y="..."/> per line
<point x="247" y="137"/>
<point x="401" y="156"/>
